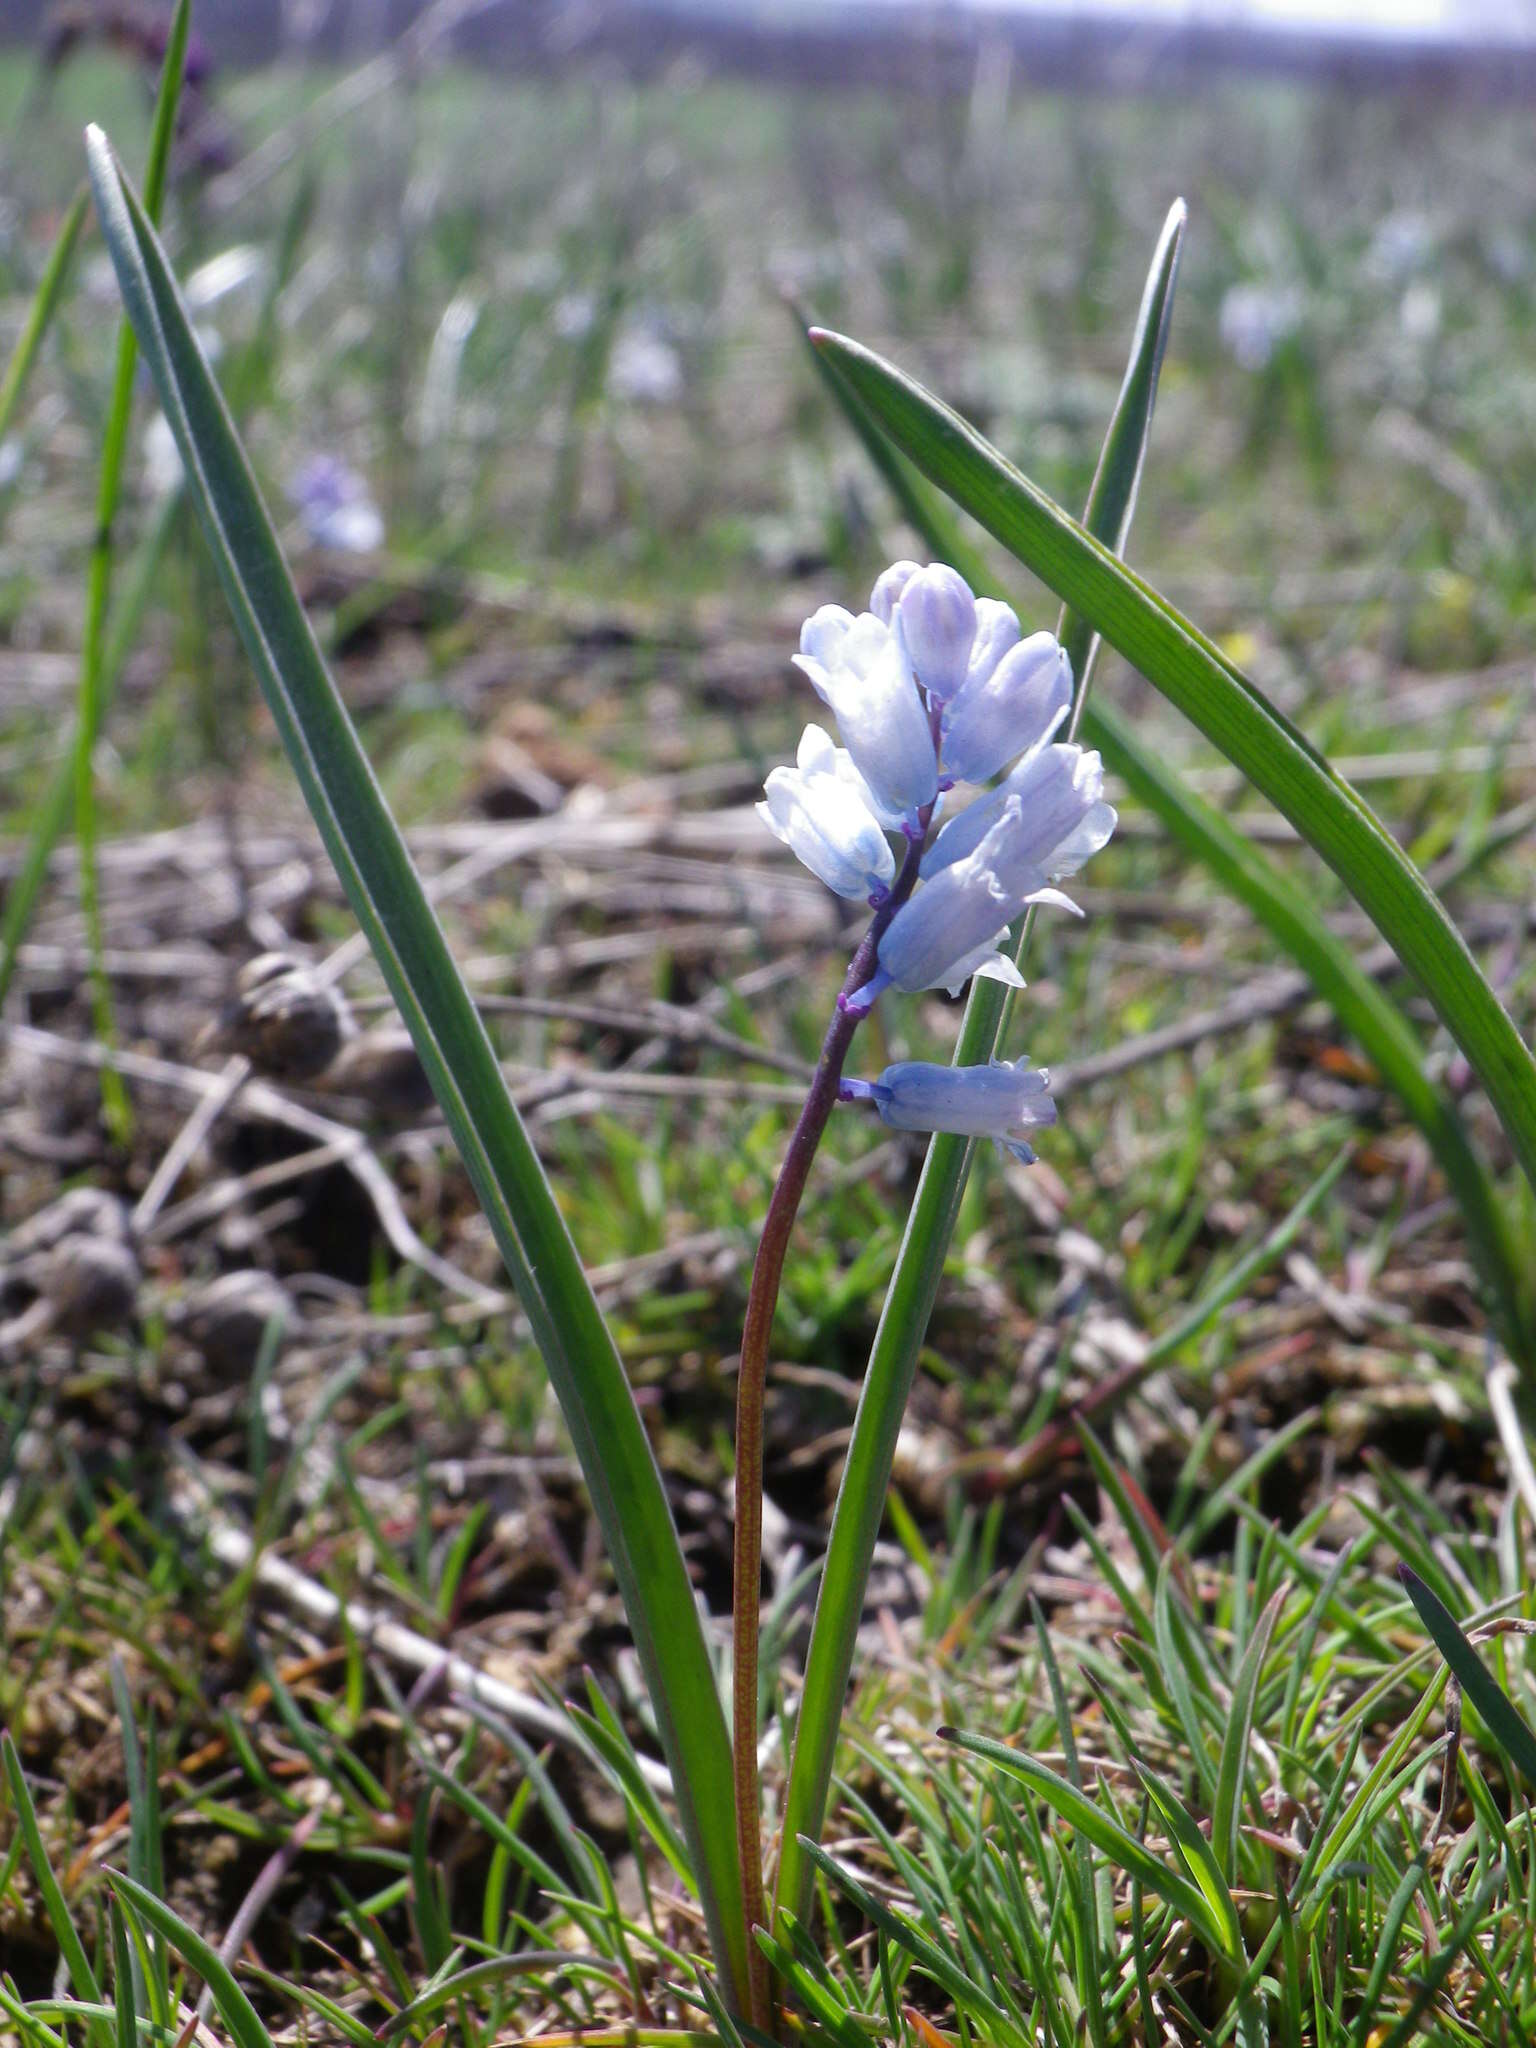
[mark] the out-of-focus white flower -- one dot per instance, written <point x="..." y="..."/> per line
<point x="1420" y="312"/>
<point x="822" y="810"/>
<point x="163" y="469"/>
<point x="1402" y="244"/>
<point x="224" y="276"/>
<point x="333" y="502"/>
<point x="645" y="369"/>
<point x="1255" y="319"/>
<point x="573" y="315"/>
<point x="998" y="1101"/>
<point x="860" y="668"/>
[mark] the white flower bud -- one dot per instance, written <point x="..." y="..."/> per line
<point x="889" y="585"/>
<point x="937" y="615"/>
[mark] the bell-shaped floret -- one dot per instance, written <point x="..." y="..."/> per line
<point x="1062" y="816"/>
<point x="822" y="811"/>
<point x="998" y="1101"/>
<point x="937" y="620"/>
<point x="859" y="667"/>
<point x="951" y="928"/>
<point x="1001" y="714"/>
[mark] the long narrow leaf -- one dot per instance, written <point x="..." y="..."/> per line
<point x="230" y="2002"/>
<point x="1227" y="707"/>
<point x="1362" y="1006"/>
<point x="1517" y="1743"/>
<point x="71" y="1948"/>
<point x="1227" y="1815"/>
<point x="386" y="894"/>
<point x="920" y="1262"/>
<point x="98" y="579"/>
<point x="45" y="303"/>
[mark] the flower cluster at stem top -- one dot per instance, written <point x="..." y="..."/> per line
<point x="933" y="687"/>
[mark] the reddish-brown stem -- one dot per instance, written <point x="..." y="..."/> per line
<point x="751" y="1384"/>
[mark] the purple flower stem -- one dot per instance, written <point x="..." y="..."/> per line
<point x="751" y="1384"/>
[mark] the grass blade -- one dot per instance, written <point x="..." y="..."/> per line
<point x="53" y="813"/>
<point x="386" y="894"/>
<point x="1221" y="701"/>
<point x="98" y="581"/>
<point x="1227" y="1813"/>
<point x="1106" y="1834"/>
<point x="230" y="2002"/>
<point x="920" y="1262"/>
<point x="1516" y="1742"/>
<point x="924" y="1951"/>
<point x="45" y="303"/>
<point x="71" y="1948"/>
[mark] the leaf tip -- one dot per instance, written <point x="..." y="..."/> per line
<point x="100" y="163"/>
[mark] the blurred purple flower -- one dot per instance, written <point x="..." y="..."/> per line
<point x="335" y="507"/>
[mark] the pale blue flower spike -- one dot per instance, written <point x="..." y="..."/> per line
<point x="820" y="810"/>
<point x="998" y="1101"/>
<point x="1002" y="713"/>
<point x="993" y="696"/>
<point x="937" y="620"/>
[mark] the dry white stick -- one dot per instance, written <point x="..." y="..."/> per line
<point x="233" y="1547"/>
<point x="1501" y="1383"/>
<point x="183" y="1147"/>
<point x="225" y="1194"/>
<point x="259" y="1098"/>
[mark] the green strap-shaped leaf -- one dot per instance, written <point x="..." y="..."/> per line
<point x="385" y="892"/>
<point x="1198" y="1858"/>
<point x="1177" y="658"/>
<point x="920" y="1262"/>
